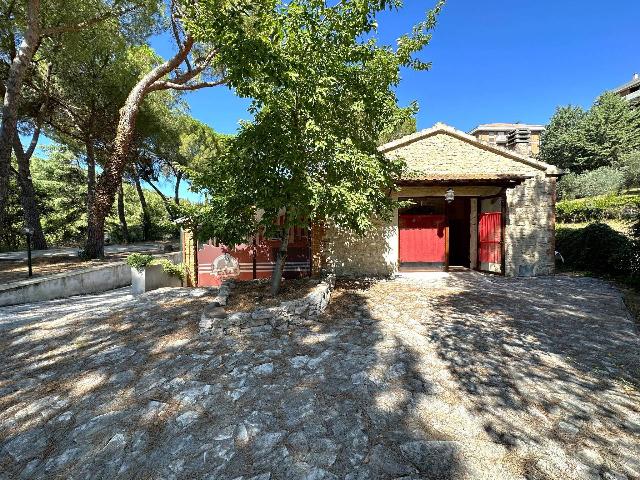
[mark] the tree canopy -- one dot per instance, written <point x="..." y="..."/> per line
<point x="322" y="98"/>
<point x="580" y="140"/>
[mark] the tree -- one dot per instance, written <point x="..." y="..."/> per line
<point x="560" y="144"/>
<point x="157" y="79"/>
<point x="580" y="141"/>
<point x="25" y="30"/>
<point x="609" y="131"/>
<point x="322" y="99"/>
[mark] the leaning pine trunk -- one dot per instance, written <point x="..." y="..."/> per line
<point x="111" y="175"/>
<point x="281" y="259"/>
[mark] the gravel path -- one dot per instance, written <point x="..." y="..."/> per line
<point x="461" y="376"/>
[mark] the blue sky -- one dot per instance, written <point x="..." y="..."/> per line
<point x="495" y="61"/>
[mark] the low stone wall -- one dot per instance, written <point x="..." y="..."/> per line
<point x="75" y="282"/>
<point x="216" y="321"/>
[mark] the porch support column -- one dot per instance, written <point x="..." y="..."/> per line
<point x="473" y="235"/>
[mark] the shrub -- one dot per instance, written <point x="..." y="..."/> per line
<point x="630" y="166"/>
<point x="139" y="260"/>
<point x="171" y="269"/>
<point x="595" y="209"/>
<point x="599" y="249"/>
<point x="601" y="181"/>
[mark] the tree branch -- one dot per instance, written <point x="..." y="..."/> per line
<point x="51" y="31"/>
<point x="166" y="85"/>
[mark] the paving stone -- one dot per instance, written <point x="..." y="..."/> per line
<point x="27" y="445"/>
<point x="470" y="377"/>
<point x="437" y="458"/>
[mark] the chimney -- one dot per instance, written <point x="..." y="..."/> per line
<point x="636" y="76"/>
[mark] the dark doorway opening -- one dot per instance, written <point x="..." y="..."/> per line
<point x="458" y="214"/>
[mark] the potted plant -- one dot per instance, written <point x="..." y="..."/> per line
<point x="148" y="273"/>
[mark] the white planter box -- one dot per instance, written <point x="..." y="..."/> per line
<point x="150" y="278"/>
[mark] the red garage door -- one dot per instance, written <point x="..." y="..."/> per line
<point x="422" y="240"/>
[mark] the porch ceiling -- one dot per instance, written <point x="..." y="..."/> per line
<point x="479" y="179"/>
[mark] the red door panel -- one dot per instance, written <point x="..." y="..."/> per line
<point x="422" y="238"/>
<point x="490" y="237"/>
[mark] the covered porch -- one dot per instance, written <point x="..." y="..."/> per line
<point x="454" y="221"/>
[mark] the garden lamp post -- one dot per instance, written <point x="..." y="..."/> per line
<point x="29" y="232"/>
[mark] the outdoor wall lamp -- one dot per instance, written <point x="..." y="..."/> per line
<point x="449" y="195"/>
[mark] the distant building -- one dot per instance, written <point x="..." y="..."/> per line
<point x="519" y="137"/>
<point x="630" y="91"/>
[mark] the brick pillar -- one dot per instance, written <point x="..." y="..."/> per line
<point x="317" y="254"/>
<point x="190" y="258"/>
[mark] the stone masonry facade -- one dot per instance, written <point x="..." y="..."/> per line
<point x="441" y="153"/>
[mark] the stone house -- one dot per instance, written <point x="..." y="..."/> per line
<point x="469" y="204"/>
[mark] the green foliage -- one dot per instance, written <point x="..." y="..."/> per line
<point x="171" y="269"/>
<point x="599" y="249"/>
<point x="593" y="209"/>
<point x="139" y="261"/>
<point x="581" y="141"/>
<point x="601" y="181"/>
<point x="560" y="144"/>
<point x="161" y="225"/>
<point x="322" y="98"/>
<point x="61" y="186"/>
<point x="630" y="166"/>
<point x="61" y="195"/>
<point x="398" y="130"/>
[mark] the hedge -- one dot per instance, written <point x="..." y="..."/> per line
<point x="599" y="249"/>
<point x="595" y="209"/>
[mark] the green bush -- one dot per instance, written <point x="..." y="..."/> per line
<point x="601" y="181"/>
<point x="171" y="269"/>
<point x="595" y="209"/>
<point x="599" y="249"/>
<point x="139" y="260"/>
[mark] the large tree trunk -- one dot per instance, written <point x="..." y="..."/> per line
<point x="112" y="174"/>
<point x="121" y="215"/>
<point x="281" y="258"/>
<point x="146" y="218"/>
<point x="30" y="209"/>
<point x="13" y="90"/>
<point x="91" y="175"/>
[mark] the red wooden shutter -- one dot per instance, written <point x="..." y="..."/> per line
<point x="490" y="231"/>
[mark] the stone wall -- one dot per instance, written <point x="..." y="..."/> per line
<point x="216" y="321"/>
<point x="347" y="254"/>
<point x="529" y="235"/>
<point x="530" y="228"/>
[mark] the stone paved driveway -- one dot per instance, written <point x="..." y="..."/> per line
<point x="466" y="376"/>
